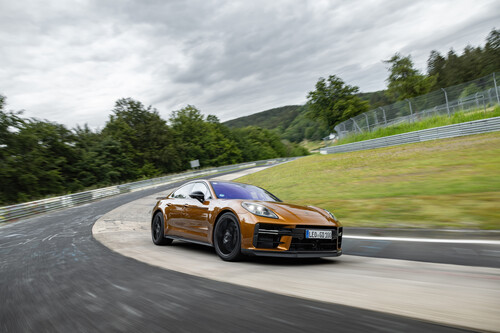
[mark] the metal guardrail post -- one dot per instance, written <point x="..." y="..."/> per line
<point x="356" y="124"/>
<point x="477" y="101"/>
<point x="496" y="88"/>
<point x="411" y="111"/>
<point x="367" y="122"/>
<point x="447" y="104"/>
<point x="385" y="118"/>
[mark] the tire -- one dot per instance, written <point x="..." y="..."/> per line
<point x="227" y="237"/>
<point x="158" y="230"/>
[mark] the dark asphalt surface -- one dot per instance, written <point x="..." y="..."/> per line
<point x="458" y="254"/>
<point x="56" y="278"/>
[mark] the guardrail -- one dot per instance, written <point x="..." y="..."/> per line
<point x="449" y="131"/>
<point x="14" y="212"/>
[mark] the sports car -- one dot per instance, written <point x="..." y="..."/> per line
<point x="240" y="219"/>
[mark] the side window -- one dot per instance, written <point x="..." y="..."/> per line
<point x="183" y="192"/>
<point x="202" y="188"/>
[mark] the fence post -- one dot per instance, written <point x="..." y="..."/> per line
<point x="367" y="122"/>
<point x="496" y="89"/>
<point x="411" y="111"/>
<point x="383" y="112"/>
<point x="355" y="123"/>
<point x="447" y="104"/>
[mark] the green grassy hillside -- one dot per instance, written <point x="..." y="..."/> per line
<point x="274" y="118"/>
<point x="450" y="183"/>
<point x="289" y="122"/>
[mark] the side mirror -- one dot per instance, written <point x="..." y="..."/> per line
<point x="198" y="195"/>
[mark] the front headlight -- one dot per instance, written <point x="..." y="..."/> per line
<point x="259" y="210"/>
<point x="331" y="214"/>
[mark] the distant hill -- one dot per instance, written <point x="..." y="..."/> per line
<point x="289" y="122"/>
<point x="376" y="98"/>
<point x="269" y="119"/>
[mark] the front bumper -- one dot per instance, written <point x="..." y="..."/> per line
<point x="292" y="254"/>
<point x="290" y="241"/>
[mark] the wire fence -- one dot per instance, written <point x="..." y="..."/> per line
<point x="27" y="209"/>
<point x="481" y="93"/>
<point x="442" y="132"/>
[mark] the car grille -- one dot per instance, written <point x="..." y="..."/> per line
<point x="268" y="236"/>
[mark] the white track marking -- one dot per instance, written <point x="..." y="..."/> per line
<point x="428" y="240"/>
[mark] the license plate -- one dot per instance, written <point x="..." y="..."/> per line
<point x="319" y="234"/>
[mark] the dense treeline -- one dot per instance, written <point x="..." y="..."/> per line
<point x="41" y="158"/>
<point x="473" y="63"/>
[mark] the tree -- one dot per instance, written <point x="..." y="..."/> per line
<point x="257" y="143"/>
<point x="205" y="140"/>
<point x="491" y="54"/>
<point x="144" y="136"/>
<point x="333" y="101"/>
<point x="435" y="66"/>
<point x="404" y="80"/>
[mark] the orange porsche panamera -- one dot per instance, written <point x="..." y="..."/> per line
<point x="238" y="219"/>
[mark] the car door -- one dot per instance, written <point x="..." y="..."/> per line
<point x="196" y="213"/>
<point x="175" y="210"/>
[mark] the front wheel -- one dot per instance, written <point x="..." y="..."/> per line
<point x="227" y="238"/>
<point x="158" y="230"/>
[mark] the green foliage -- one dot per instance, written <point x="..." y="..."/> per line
<point x="304" y="128"/>
<point x="290" y="123"/>
<point x="143" y="136"/>
<point x="270" y="119"/>
<point x="404" y="81"/>
<point x="205" y="140"/>
<point x="333" y="101"/>
<point x="376" y="99"/>
<point x="473" y="63"/>
<point x="257" y="143"/>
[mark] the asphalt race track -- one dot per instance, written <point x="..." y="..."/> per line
<point x="55" y="277"/>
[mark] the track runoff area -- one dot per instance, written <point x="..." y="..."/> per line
<point x="58" y="277"/>
<point x="422" y="278"/>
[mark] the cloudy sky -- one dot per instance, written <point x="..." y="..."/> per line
<point x="69" y="61"/>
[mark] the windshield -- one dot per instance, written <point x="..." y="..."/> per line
<point x="225" y="190"/>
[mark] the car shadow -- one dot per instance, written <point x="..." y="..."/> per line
<point x="264" y="261"/>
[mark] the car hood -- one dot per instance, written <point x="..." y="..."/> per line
<point x="300" y="214"/>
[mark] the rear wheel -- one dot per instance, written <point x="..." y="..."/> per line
<point x="227" y="237"/>
<point x="158" y="230"/>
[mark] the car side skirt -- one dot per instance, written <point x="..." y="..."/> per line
<point x="187" y="240"/>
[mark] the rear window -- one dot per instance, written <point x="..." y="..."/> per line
<point x="225" y="190"/>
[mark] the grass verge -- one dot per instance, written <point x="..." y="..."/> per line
<point x="456" y="118"/>
<point x="449" y="183"/>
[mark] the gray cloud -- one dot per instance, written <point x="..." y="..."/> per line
<point x="69" y="61"/>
